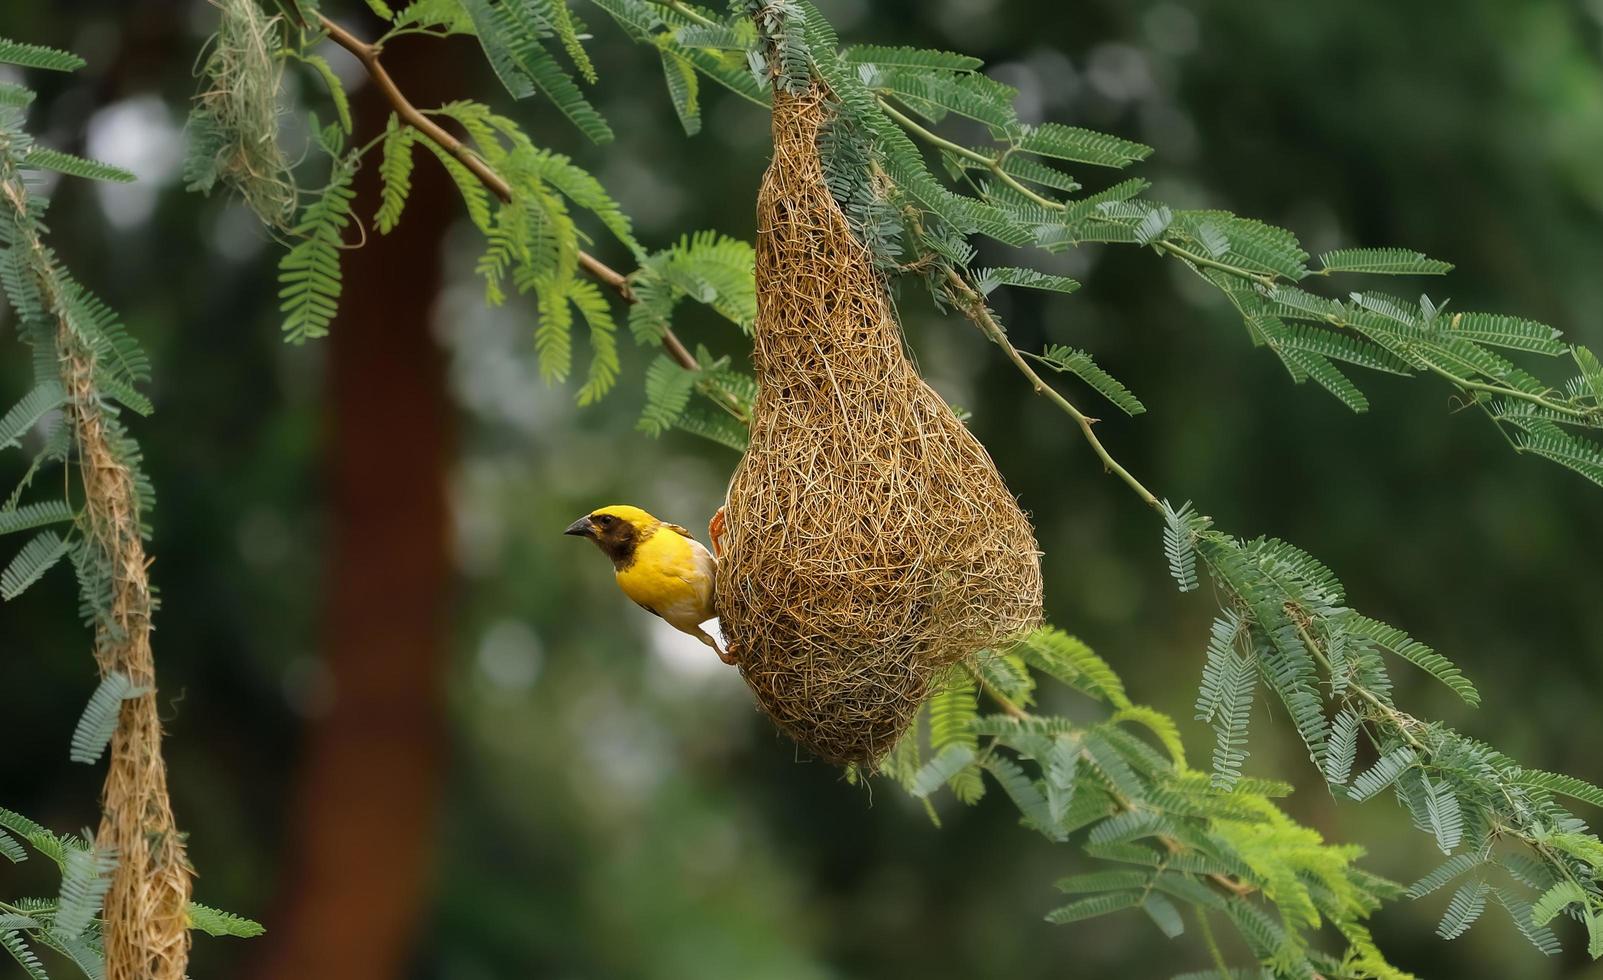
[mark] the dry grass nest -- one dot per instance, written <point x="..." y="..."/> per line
<point x="871" y="541"/>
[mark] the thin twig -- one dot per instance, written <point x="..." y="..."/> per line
<point x="368" y="55"/>
<point x="973" y="305"/>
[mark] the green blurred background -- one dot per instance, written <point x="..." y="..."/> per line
<point x="499" y="768"/>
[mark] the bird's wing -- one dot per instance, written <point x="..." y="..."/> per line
<point x="683" y="532"/>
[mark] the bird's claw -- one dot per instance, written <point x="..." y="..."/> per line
<point x="715" y="531"/>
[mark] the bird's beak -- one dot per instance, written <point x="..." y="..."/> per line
<point x="583" y="527"/>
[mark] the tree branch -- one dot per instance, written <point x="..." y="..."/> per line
<point x="368" y="55"/>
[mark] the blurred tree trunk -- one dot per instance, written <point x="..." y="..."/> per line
<point x="362" y="821"/>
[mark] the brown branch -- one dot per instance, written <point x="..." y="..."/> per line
<point x="368" y="55"/>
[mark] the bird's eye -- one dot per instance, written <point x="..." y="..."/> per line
<point x="604" y="520"/>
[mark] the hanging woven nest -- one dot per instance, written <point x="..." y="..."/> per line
<point x="870" y="539"/>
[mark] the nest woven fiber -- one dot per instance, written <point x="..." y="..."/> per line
<point x="871" y="540"/>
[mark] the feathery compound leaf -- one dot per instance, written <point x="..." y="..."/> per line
<point x="1090" y="908"/>
<point x="1228" y="681"/>
<point x="1445" y="816"/>
<point x="1067" y="658"/>
<point x="1554" y="782"/>
<point x="12" y="940"/>
<point x="1508" y="331"/>
<point x="1556" y="900"/>
<point x="1104" y="881"/>
<point x="1179" y="543"/>
<point x="988" y="279"/>
<point x="946" y="764"/>
<point x="43" y="158"/>
<point x="668" y="390"/>
<point x="474" y="196"/>
<point x="99" y="719"/>
<point x="1383" y="261"/>
<point x="683" y="90"/>
<point x="603" y="369"/>
<point x="214" y="922"/>
<point x="1024" y="794"/>
<point x="309" y="273"/>
<point x="395" y="170"/>
<point x="1466" y="906"/>
<point x="1081" y="146"/>
<point x="31" y="563"/>
<point x="85" y="876"/>
<point x="1079" y="364"/>
<point x="1416" y="653"/>
<point x="10" y="849"/>
<point x="1342" y="748"/>
<point x="1444" y="872"/>
<point x="1519" y="910"/>
<point x="1382" y="774"/>
<point x="1591" y="370"/>
<point x="25" y="414"/>
<point x="1164" y="915"/>
<point x="37" y="56"/>
<point x="898" y="57"/>
<point x="714" y="426"/>
<point x="1581" y="455"/>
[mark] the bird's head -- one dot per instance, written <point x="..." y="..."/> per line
<point x="616" y="530"/>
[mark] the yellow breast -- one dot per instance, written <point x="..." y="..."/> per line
<point x="672" y="576"/>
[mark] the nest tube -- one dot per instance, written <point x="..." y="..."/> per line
<point x="871" y="541"/>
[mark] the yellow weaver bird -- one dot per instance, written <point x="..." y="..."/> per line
<point x="658" y="565"/>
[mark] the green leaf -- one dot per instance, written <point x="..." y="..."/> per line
<point x="683" y="91"/>
<point x="1342" y="748"/>
<point x="1466" y="906"/>
<point x="10" y="849"/>
<point x="1581" y="455"/>
<point x="1507" y="331"/>
<point x="934" y="773"/>
<point x="1164" y="915"/>
<point x="86" y="874"/>
<point x="42" y="158"/>
<point x="474" y="196"/>
<point x="1553" y="782"/>
<point x="1382" y="774"/>
<point x="1079" y="364"/>
<point x="336" y="88"/>
<point x="25" y="414"/>
<point x="1179" y="546"/>
<point x="11" y="940"/>
<point x="381" y="8"/>
<point x="904" y="57"/>
<point x="1443" y="873"/>
<point x="309" y="273"/>
<point x="1081" y="146"/>
<point x="1024" y="794"/>
<point x="988" y="279"/>
<point x="1446" y="817"/>
<point x="1519" y="911"/>
<point x="1067" y="658"/>
<point x="215" y="922"/>
<point x="37" y="56"/>
<point x="395" y="170"/>
<point x="31" y="563"/>
<point x="1402" y="645"/>
<point x="1228" y="681"/>
<point x="1104" y="881"/>
<point x="1556" y="900"/>
<point x="1090" y="908"/>
<point x="99" y="719"/>
<point x="1383" y="261"/>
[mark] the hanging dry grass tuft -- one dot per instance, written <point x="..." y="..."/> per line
<point x="234" y="128"/>
<point x="871" y="540"/>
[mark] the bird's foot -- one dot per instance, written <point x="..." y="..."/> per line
<point x="715" y="531"/>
